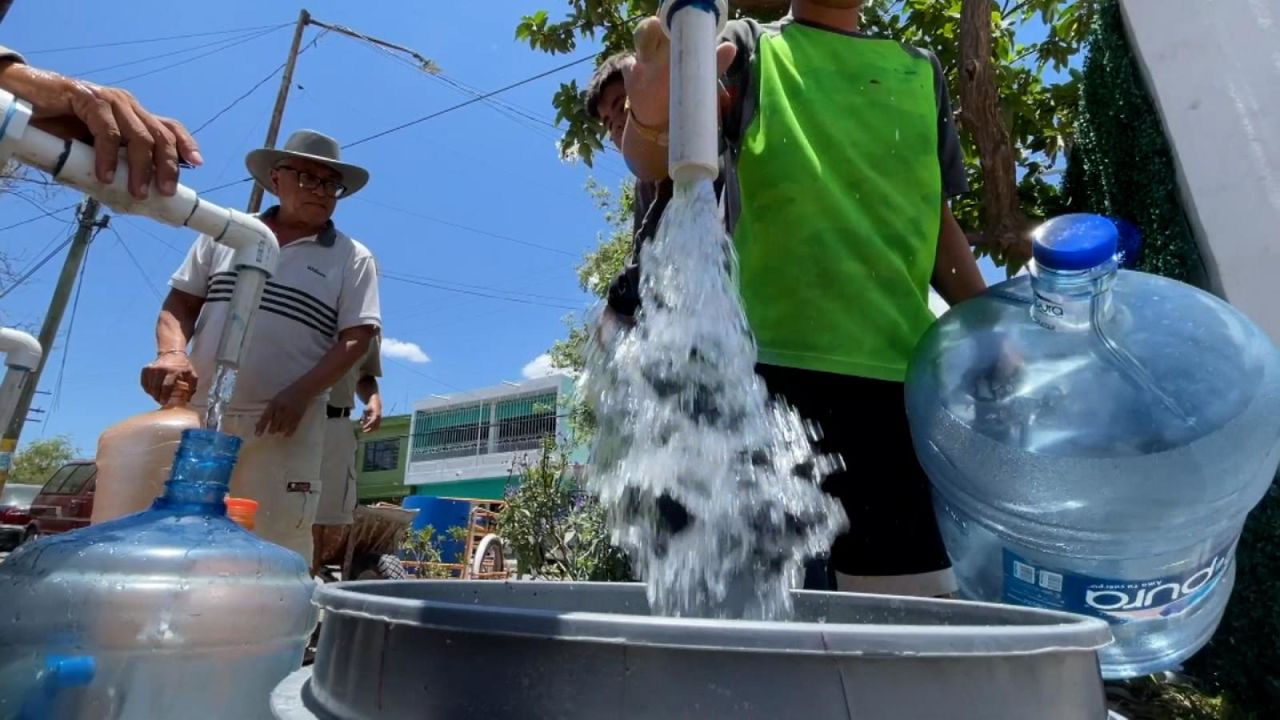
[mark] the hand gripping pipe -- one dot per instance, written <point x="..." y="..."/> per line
<point x="22" y="356"/>
<point x="693" y="139"/>
<point x="72" y="163"/>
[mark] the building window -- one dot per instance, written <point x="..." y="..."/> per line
<point x="381" y="455"/>
<point x="523" y="423"/>
<point x="451" y="432"/>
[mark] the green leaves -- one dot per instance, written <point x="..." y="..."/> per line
<point x="38" y="460"/>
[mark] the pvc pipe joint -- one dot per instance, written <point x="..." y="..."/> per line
<point x="20" y="349"/>
<point x="694" y="27"/>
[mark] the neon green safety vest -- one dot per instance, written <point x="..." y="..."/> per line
<point x="841" y="202"/>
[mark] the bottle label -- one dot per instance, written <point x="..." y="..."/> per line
<point x="1116" y="601"/>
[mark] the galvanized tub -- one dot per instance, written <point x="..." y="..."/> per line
<point x="533" y="650"/>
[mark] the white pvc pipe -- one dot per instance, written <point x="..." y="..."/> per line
<point x="20" y="349"/>
<point x="72" y="163"/>
<point x="22" y="355"/>
<point x="694" y="144"/>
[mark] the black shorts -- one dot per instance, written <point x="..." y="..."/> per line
<point x="884" y="491"/>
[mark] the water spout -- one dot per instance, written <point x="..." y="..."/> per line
<point x="694" y="26"/>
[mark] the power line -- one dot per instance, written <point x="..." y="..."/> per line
<point x="471" y="101"/>
<point x="157" y="238"/>
<point x="144" y="41"/>
<point x="170" y="53"/>
<point x="48" y="213"/>
<point x="418" y="372"/>
<point x="488" y="288"/>
<point x="459" y="226"/>
<point x="257" y="85"/>
<point x="26" y="276"/>
<point x="192" y="59"/>
<point x="477" y="293"/>
<point x="133" y="259"/>
<point x="66" y="339"/>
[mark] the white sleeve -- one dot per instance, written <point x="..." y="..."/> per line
<point x="192" y="277"/>
<point x="359" y="305"/>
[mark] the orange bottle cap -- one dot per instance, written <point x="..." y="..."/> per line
<point x="242" y="510"/>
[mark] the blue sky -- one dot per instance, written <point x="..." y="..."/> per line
<point x="475" y="198"/>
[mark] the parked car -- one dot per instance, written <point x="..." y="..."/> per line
<point x="16" y="525"/>
<point x="65" y="502"/>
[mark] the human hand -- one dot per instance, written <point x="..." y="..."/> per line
<point x="284" y="412"/>
<point x="163" y="373"/>
<point x="648" y="79"/>
<point x="109" y="118"/>
<point x="372" y="418"/>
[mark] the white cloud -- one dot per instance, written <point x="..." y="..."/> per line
<point x="403" y="350"/>
<point x="539" y="367"/>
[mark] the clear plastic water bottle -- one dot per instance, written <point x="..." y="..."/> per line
<point x="179" y="611"/>
<point x="1095" y="438"/>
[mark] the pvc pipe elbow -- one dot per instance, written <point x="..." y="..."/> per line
<point x="21" y="350"/>
<point x="255" y="244"/>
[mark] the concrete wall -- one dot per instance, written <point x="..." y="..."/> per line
<point x="1213" y="68"/>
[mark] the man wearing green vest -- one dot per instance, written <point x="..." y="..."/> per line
<point x="842" y="154"/>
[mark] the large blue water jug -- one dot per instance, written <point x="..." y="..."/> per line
<point x="175" y="612"/>
<point x="1095" y="438"/>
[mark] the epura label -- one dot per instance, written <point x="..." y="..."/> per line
<point x="1116" y="601"/>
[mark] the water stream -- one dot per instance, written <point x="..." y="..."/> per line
<point x="712" y="486"/>
<point x="220" y="392"/>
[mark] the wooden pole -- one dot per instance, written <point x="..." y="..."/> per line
<point x="282" y="96"/>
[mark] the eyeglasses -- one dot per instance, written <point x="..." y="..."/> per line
<point x="307" y="181"/>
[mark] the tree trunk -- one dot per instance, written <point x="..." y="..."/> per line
<point x="1005" y="227"/>
<point x="760" y="8"/>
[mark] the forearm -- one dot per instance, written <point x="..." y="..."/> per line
<point x="175" y="326"/>
<point x="46" y="91"/>
<point x="350" y="348"/>
<point x="367" y="388"/>
<point x="956" y="276"/>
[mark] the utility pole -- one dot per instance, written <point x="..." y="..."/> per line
<point x="90" y="224"/>
<point x="282" y="96"/>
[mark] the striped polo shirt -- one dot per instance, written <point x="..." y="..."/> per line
<point x="324" y="284"/>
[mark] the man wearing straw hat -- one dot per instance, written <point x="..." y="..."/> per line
<point x="318" y="315"/>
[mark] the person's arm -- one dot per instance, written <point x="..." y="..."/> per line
<point x="371" y="395"/>
<point x="109" y="118"/>
<point x="956" y="276"/>
<point x="174" y="328"/>
<point x="177" y="321"/>
<point x="285" y="411"/>
<point x="367" y="389"/>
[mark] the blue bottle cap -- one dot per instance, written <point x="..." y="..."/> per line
<point x="66" y="671"/>
<point x="1130" y="252"/>
<point x="1075" y="242"/>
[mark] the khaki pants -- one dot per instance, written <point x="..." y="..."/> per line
<point x="282" y="474"/>
<point x="337" y="473"/>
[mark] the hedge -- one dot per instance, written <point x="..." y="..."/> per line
<point x="1122" y="166"/>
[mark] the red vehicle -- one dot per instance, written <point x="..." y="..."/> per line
<point x="16" y="525"/>
<point x="65" y="502"/>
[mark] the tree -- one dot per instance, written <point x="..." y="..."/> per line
<point x="37" y="461"/>
<point x="1016" y="70"/>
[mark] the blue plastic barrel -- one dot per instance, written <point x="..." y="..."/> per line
<point x="443" y="515"/>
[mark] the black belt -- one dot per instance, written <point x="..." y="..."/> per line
<point x="336" y="412"/>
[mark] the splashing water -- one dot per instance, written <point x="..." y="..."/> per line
<point x="712" y="487"/>
<point x="224" y="386"/>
